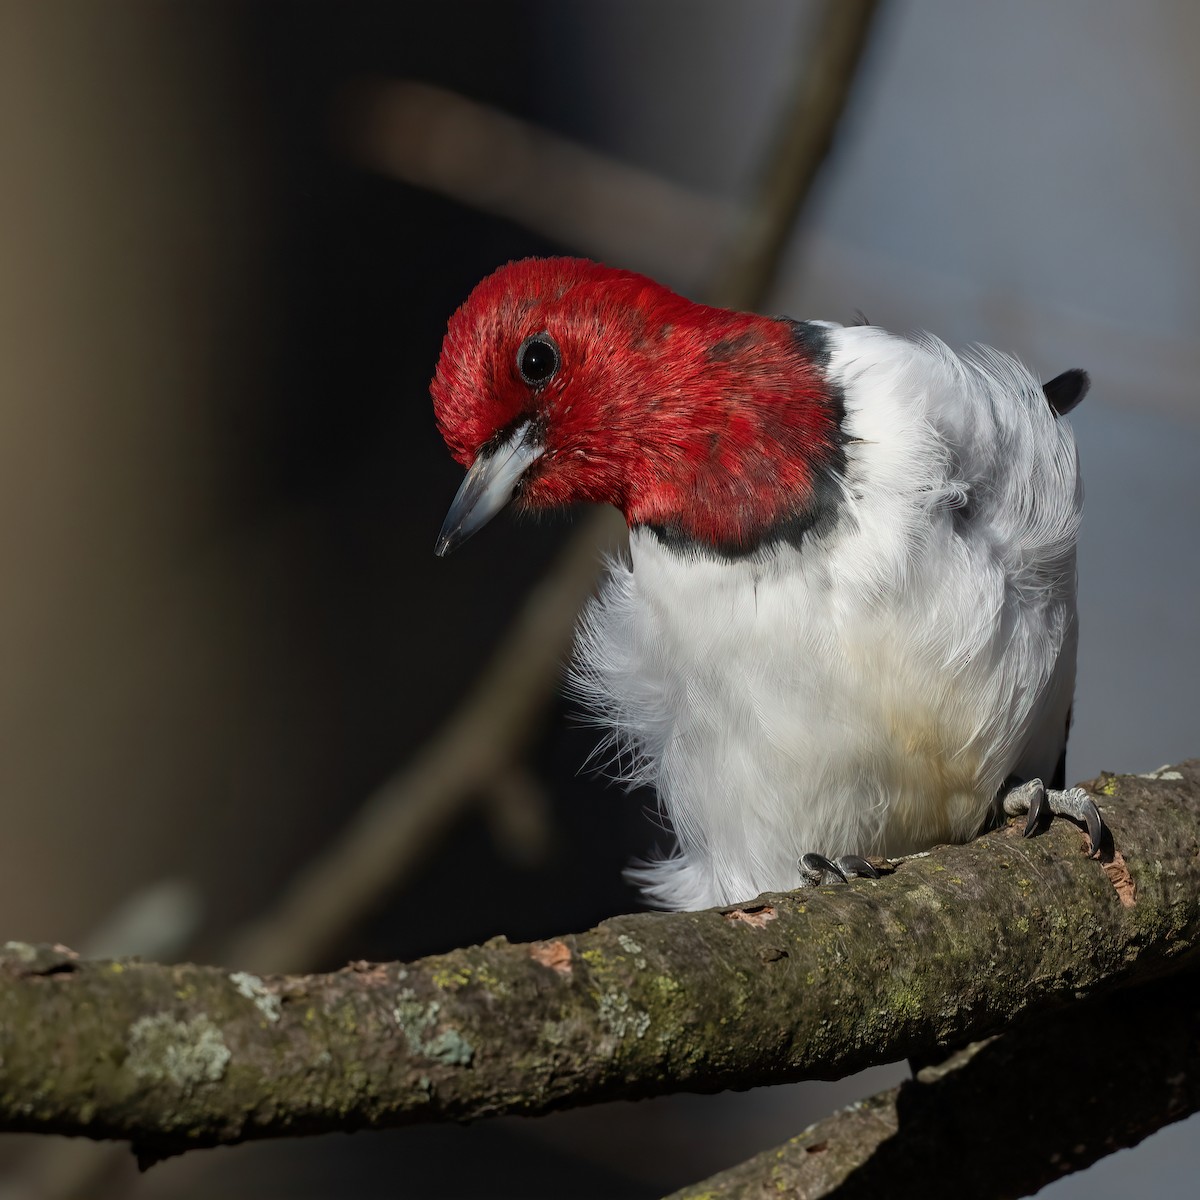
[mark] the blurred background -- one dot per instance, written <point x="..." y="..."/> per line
<point x="230" y="236"/>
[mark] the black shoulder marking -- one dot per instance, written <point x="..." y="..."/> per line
<point x="812" y="338"/>
<point x="820" y="519"/>
<point x="1065" y="391"/>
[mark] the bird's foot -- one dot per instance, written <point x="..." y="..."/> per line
<point x="1042" y="803"/>
<point x="816" y="869"/>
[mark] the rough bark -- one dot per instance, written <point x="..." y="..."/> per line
<point x="1004" y="1118"/>
<point x="950" y="947"/>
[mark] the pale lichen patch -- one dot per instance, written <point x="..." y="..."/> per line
<point x="1163" y="772"/>
<point x="254" y="989"/>
<point x="184" y="1053"/>
<point x="417" y="1022"/>
<point x="451" y="1048"/>
<point x="413" y="1017"/>
<point x="617" y="1012"/>
<point x="631" y="947"/>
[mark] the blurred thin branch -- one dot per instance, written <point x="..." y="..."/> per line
<point x="803" y="139"/>
<point x="158" y="921"/>
<point x="518" y="811"/>
<point x="395" y="827"/>
<point x="437" y="139"/>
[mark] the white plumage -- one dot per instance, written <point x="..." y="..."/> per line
<point x="869" y="691"/>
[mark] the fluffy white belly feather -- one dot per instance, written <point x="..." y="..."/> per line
<point x="771" y="725"/>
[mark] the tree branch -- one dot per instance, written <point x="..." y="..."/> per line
<point x="1004" y="1117"/>
<point x="814" y="984"/>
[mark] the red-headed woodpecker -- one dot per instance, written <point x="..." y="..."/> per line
<point x="847" y="623"/>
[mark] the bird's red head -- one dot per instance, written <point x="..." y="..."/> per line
<point x="562" y="380"/>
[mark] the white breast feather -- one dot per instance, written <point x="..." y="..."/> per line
<point x="871" y="691"/>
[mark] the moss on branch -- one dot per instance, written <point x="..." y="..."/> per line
<point x="814" y="984"/>
<point x="1006" y="1116"/>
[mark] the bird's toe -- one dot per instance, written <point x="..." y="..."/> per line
<point x="1040" y="803"/>
<point x="1079" y="806"/>
<point x="816" y="869"/>
<point x="853" y="866"/>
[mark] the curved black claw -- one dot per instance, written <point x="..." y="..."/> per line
<point x="1078" y="805"/>
<point x="814" y="868"/>
<point x="852" y="866"/>
<point x="1031" y="798"/>
<point x="1041" y="804"/>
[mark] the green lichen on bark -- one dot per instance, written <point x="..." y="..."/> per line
<point x="419" y="1024"/>
<point x="183" y="1054"/>
<point x="950" y="946"/>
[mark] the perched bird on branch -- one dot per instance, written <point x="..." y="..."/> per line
<point x="847" y="623"/>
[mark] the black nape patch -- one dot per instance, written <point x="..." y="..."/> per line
<point x="1065" y="391"/>
<point x="812" y="339"/>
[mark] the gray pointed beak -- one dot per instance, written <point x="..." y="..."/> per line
<point x="488" y="487"/>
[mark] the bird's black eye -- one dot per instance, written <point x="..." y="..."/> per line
<point x="537" y="359"/>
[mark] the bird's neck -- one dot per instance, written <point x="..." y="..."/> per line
<point x="740" y="446"/>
